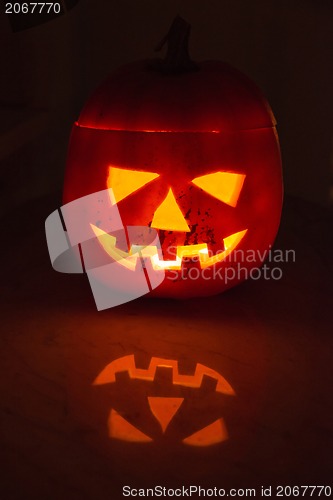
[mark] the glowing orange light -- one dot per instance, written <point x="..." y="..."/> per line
<point x="128" y="260"/>
<point x="230" y="243"/>
<point x="119" y="428"/>
<point x="108" y="242"/>
<point x="164" y="409"/>
<point x="225" y="186"/>
<point x="125" y="182"/>
<point x="127" y="364"/>
<point x="212" y="434"/>
<point x="168" y="215"/>
<point x="147" y="131"/>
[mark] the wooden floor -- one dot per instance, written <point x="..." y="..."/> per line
<point x="271" y="340"/>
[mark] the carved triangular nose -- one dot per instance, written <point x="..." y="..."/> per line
<point x="168" y="216"/>
<point x="164" y="409"/>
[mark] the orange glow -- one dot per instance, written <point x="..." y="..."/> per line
<point x="125" y="182"/>
<point x="127" y="364"/>
<point x="212" y="434"/>
<point x="225" y="186"/>
<point x="108" y="243"/>
<point x="119" y="428"/>
<point x="192" y="250"/>
<point x="230" y="243"/>
<point x="147" y="131"/>
<point x="169" y="216"/>
<point x="128" y="260"/>
<point x="164" y="409"/>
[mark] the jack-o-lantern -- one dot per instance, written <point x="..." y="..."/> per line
<point x="190" y="150"/>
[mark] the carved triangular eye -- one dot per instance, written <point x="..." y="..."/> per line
<point x="225" y="186"/>
<point x="211" y="434"/>
<point x="125" y="182"/>
<point x="119" y="428"/>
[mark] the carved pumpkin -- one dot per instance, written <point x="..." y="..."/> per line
<point x="141" y="398"/>
<point x="190" y="150"/>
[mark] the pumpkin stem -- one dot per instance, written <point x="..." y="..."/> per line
<point x="177" y="59"/>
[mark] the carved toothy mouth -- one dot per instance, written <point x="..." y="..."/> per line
<point x="129" y="259"/>
<point x="127" y="363"/>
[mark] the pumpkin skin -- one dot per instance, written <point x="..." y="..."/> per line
<point x="184" y="127"/>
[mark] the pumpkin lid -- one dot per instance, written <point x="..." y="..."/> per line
<point x="215" y="98"/>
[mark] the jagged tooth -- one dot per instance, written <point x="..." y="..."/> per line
<point x="164" y="376"/>
<point x="112" y="241"/>
<point x="186" y="366"/>
<point x="208" y="383"/>
<point x="122" y="377"/>
<point x="142" y="359"/>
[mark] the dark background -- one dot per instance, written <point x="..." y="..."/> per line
<point x="271" y="340"/>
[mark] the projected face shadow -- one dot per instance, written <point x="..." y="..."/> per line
<point x="159" y="403"/>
